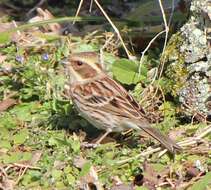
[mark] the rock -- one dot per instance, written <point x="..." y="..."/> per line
<point x="190" y="63"/>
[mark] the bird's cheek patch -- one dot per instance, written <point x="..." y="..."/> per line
<point x="87" y="72"/>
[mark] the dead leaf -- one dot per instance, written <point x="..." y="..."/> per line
<point x="35" y="157"/>
<point x="7" y="184"/>
<point x="150" y="175"/>
<point x="123" y="187"/>
<point x="79" y="162"/>
<point x="46" y="15"/>
<point x="5" y="104"/>
<point x="90" y="180"/>
<point x="6" y="68"/>
<point x="175" y="133"/>
<point x="59" y="164"/>
<point x="28" y="39"/>
<point x="7" y="26"/>
<point x="2" y="58"/>
<point x="150" y="178"/>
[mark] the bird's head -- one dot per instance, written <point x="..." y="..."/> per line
<point x="83" y="66"/>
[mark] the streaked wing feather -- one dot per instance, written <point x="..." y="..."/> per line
<point x="113" y="98"/>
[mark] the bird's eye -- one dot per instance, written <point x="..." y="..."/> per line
<point x="79" y="63"/>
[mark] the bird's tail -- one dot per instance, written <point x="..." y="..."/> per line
<point x="163" y="139"/>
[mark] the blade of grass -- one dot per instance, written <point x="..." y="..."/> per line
<point x="5" y="36"/>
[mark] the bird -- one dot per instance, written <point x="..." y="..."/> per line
<point x="104" y="102"/>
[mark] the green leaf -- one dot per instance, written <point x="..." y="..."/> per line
<point x="16" y="157"/>
<point x="76" y="146"/>
<point x="109" y="58"/>
<point x="52" y="141"/>
<point x="5" y="144"/>
<point x="203" y="184"/>
<point x="141" y="188"/>
<point x="85" y="48"/>
<point x="60" y="185"/>
<point x="20" y="137"/>
<point x="31" y="176"/>
<point x="4" y="133"/>
<point x="26" y="156"/>
<point x="70" y="178"/>
<point x="126" y="71"/>
<point x="158" y="167"/>
<point x="5" y="37"/>
<point x="24" y="111"/>
<point x="56" y="174"/>
<point x="12" y="158"/>
<point x="85" y="169"/>
<point x="7" y="121"/>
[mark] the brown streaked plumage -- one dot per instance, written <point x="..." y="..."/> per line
<point x="104" y="102"/>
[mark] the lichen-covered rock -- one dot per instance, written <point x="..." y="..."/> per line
<point x="190" y="62"/>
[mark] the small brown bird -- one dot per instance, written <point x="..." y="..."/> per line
<point x="104" y="102"/>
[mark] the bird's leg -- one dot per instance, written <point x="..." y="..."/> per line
<point x="103" y="136"/>
<point x="97" y="143"/>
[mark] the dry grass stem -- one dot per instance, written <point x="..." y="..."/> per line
<point x="78" y="10"/>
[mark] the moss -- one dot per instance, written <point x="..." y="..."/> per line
<point x="176" y="72"/>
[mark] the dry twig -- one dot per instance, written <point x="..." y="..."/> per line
<point x="78" y="10"/>
<point x="115" y="29"/>
<point x="187" y="142"/>
<point x="39" y="4"/>
<point x="112" y="24"/>
<point x="146" y="49"/>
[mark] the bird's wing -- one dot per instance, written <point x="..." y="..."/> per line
<point x="107" y="95"/>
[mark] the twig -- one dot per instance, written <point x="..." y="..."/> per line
<point x="78" y="10"/>
<point x="26" y="166"/>
<point x="20" y="176"/>
<point x="3" y="171"/>
<point x="196" y="139"/>
<point x="90" y="36"/>
<point x="166" y="37"/>
<point x="165" y="24"/>
<point x="205" y="132"/>
<point x="186" y="185"/>
<point x="162" y="153"/>
<point x="107" y="42"/>
<point x="21" y="172"/>
<point x="104" y="46"/>
<point x="195" y="113"/>
<point x="143" y="154"/>
<point x="146" y="49"/>
<point x="90" y="7"/>
<point x="35" y="7"/>
<point x="112" y="24"/>
<point x="171" y="183"/>
<point x="163" y="184"/>
<point x="184" y="143"/>
<point x="172" y="12"/>
<point x="18" y="31"/>
<point x="115" y="29"/>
